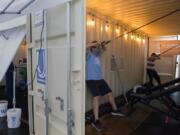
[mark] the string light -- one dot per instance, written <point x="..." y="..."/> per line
<point x="101" y="28"/>
<point x="138" y="38"/>
<point x="107" y="26"/>
<point x="144" y="39"/>
<point x="132" y="36"/>
<point x="92" y="21"/>
<point x="88" y="22"/>
<point x="117" y="29"/>
<point x="125" y="35"/>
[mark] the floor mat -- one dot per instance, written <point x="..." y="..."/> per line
<point x="154" y="125"/>
<point x="115" y="125"/>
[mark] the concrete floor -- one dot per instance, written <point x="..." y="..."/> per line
<point x="141" y="122"/>
<point x="115" y="125"/>
<point x="21" y="103"/>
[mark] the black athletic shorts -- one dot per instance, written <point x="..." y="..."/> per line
<point x="98" y="87"/>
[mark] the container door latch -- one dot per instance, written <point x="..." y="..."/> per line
<point x="61" y="103"/>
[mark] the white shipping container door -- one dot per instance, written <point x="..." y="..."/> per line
<point x="166" y="67"/>
<point x="58" y="68"/>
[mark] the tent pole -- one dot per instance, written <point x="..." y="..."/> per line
<point x="14" y="88"/>
<point x="69" y="87"/>
<point x="8" y="5"/>
<point x="47" y="109"/>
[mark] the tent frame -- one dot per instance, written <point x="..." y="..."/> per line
<point x="4" y="11"/>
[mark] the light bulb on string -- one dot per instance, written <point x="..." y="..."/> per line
<point x="132" y="36"/>
<point x="107" y="26"/>
<point x="138" y="38"/>
<point x="117" y="29"/>
<point x="144" y="39"/>
<point x="125" y="35"/>
<point x="92" y="21"/>
<point x="101" y="28"/>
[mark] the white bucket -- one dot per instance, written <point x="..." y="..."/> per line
<point x="3" y="108"/>
<point x="14" y="118"/>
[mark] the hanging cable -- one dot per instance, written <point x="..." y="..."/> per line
<point x="169" y="49"/>
<point x="155" y="20"/>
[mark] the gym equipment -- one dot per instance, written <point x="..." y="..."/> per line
<point x="161" y="93"/>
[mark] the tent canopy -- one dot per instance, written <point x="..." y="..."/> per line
<point x="10" y="40"/>
<point x="13" y="8"/>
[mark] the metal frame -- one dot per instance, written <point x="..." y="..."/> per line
<point x="46" y="102"/>
<point x="161" y="96"/>
<point x="4" y="35"/>
<point x="18" y="12"/>
<point x="69" y="74"/>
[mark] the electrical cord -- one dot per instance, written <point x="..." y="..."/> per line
<point x="40" y="48"/>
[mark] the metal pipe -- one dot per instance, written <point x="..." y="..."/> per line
<point x="46" y="68"/>
<point x="8" y="5"/>
<point x="4" y="35"/>
<point x="25" y="6"/>
<point x="9" y="13"/>
<point x="31" y="67"/>
<point x="14" y="88"/>
<point x="69" y="87"/>
<point x="145" y="59"/>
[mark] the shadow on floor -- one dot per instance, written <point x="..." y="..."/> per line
<point x="155" y="125"/>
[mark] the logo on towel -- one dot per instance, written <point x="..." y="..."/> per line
<point x="41" y="71"/>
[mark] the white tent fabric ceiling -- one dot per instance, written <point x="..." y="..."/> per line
<point x="8" y="47"/>
<point x="28" y="6"/>
<point x="15" y="5"/>
<point x="136" y="13"/>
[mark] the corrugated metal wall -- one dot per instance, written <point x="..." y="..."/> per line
<point x="129" y="55"/>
